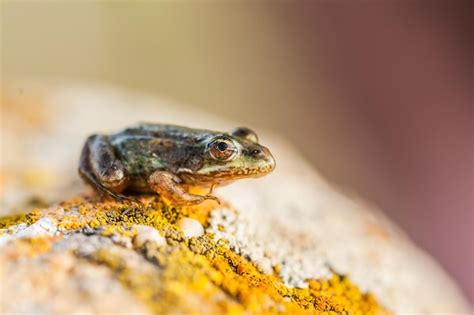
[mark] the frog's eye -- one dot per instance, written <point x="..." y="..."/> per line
<point x="246" y="134"/>
<point x="222" y="149"/>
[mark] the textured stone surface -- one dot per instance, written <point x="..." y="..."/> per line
<point x="57" y="282"/>
<point x="290" y="225"/>
<point x="172" y="267"/>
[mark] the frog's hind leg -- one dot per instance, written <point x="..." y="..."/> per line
<point x="101" y="169"/>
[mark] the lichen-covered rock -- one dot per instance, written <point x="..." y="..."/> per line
<point x="37" y="279"/>
<point x="193" y="272"/>
<point x="284" y="243"/>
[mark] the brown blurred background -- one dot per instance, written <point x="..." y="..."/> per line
<point x="377" y="94"/>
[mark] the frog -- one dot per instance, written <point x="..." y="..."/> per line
<point x="168" y="160"/>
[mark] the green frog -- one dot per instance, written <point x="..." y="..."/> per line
<point x="169" y="159"/>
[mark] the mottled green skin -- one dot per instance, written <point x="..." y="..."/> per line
<point x="183" y="152"/>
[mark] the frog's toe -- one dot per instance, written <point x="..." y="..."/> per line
<point x="211" y="197"/>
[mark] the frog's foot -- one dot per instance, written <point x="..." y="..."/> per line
<point x="211" y="189"/>
<point x="192" y="200"/>
<point x="211" y="197"/>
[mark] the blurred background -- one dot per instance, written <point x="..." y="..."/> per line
<point x="376" y="94"/>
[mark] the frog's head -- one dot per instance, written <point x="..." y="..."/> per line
<point x="236" y="155"/>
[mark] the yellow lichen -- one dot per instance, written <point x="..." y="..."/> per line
<point x="200" y="274"/>
<point x="28" y="218"/>
<point x="30" y="247"/>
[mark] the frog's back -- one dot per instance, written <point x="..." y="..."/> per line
<point x="148" y="147"/>
<point x="165" y="131"/>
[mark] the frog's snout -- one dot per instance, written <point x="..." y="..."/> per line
<point x="266" y="160"/>
<point x="271" y="161"/>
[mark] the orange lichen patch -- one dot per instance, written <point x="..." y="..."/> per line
<point x="199" y="274"/>
<point x="29" y="247"/>
<point x="342" y="293"/>
<point x="242" y="279"/>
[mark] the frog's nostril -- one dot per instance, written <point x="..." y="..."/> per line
<point x="258" y="153"/>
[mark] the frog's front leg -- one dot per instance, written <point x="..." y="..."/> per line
<point x="100" y="167"/>
<point x="168" y="186"/>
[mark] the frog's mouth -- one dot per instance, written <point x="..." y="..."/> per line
<point x="238" y="169"/>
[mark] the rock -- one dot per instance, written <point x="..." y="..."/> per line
<point x="147" y="234"/>
<point x="287" y="242"/>
<point x="191" y="227"/>
<point x="58" y="282"/>
<point x="5" y="238"/>
<point x="43" y="227"/>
